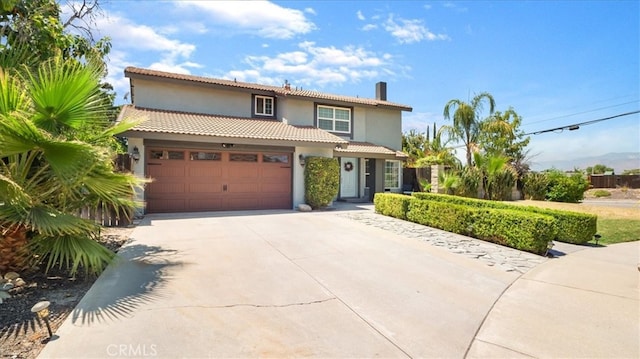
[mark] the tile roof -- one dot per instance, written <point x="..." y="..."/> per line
<point x="161" y="121"/>
<point x="276" y="90"/>
<point x="371" y="149"/>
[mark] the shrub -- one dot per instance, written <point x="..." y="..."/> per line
<point x="563" y="188"/>
<point x="516" y="229"/>
<point x="448" y="217"/>
<point x="321" y="181"/>
<point x="573" y="227"/>
<point x="535" y="186"/>
<point x="392" y="204"/>
<point x="601" y="193"/>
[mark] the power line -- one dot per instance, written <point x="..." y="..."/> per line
<point x="577" y="125"/>
<point x="580" y="113"/>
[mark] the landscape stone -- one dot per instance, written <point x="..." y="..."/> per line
<point x="304" y="207"/>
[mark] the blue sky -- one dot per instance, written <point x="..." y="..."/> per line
<point x="556" y="63"/>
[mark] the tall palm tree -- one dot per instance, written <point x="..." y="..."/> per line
<point x="54" y="160"/>
<point x="467" y="121"/>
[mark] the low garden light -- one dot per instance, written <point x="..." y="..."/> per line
<point x="597" y="237"/>
<point x="42" y="311"/>
<point x="550" y="245"/>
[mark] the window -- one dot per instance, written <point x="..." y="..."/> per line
<point x="392" y="174"/>
<point x="275" y="158"/>
<point x="334" y="119"/>
<point x="206" y="156"/>
<point x="263" y="105"/>
<point x="241" y="157"/>
<point x="166" y="155"/>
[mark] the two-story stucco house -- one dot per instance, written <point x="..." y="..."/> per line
<point x="211" y="144"/>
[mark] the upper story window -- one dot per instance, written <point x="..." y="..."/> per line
<point x="263" y="106"/>
<point x="334" y="119"/>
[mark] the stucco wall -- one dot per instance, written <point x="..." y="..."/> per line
<point x="138" y="170"/>
<point x="295" y="111"/>
<point x="198" y="99"/>
<point x="383" y="127"/>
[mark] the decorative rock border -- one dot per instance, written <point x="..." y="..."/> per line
<point x="504" y="258"/>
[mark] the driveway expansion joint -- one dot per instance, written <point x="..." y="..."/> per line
<point x="249" y="305"/>
<point x="580" y="289"/>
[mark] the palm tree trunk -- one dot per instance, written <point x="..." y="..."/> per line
<point x="13" y="250"/>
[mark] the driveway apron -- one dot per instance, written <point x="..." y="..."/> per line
<point x="279" y="284"/>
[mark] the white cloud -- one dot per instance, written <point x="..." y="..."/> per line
<point x="410" y="31"/>
<point x="360" y="16"/>
<point x="369" y="27"/>
<point x="263" y="18"/>
<point x="454" y="6"/>
<point x="310" y="10"/>
<point x="126" y="36"/>
<point x="313" y="65"/>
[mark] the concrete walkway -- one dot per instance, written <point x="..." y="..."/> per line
<point x="287" y="284"/>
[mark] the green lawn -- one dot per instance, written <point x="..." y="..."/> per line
<point x="618" y="230"/>
<point x="615" y="224"/>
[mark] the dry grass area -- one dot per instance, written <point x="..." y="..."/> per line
<point x="602" y="210"/>
<point x="616" y="222"/>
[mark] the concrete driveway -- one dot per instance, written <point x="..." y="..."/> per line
<point x="286" y="284"/>
<point x="279" y="284"/>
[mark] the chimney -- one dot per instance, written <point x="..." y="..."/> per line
<point x="381" y="91"/>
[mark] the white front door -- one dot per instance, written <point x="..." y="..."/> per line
<point x="349" y="177"/>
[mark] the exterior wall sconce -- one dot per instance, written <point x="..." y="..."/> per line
<point x="301" y="158"/>
<point x="135" y="154"/>
<point x="227" y="145"/>
<point x="42" y="311"/>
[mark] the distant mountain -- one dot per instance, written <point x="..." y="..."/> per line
<point x="618" y="161"/>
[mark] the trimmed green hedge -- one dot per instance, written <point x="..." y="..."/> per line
<point x="516" y="229"/>
<point x="573" y="227"/>
<point x="321" y="181"/>
<point x="392" y="204"/>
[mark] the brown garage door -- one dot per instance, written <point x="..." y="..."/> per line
<point x="200" y="180"/>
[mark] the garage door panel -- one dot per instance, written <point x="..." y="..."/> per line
<point x="220" y="181"/>
<point x="205" y="171"/>
<point x="244" y="203"/>
<point x="249" y="170"/>
<point x="275" y="188"/>
<point x="252" y="188"/>
<point x="198" y="188"/>
<point x="271" y="172"/>
<point x="168" y="188"/>
<point x="205" y="204"/>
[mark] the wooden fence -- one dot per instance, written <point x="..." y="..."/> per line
<point x="614" y="181"/>
<point x="103" y="215"/>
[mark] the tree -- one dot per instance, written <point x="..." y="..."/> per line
<point x="500" y="135"/>
<point x="36" y="26"/>
<point x="437" y="152"/>
<point x="497" y="176"/>
<point x="635" y="171"/>
<point x="466" y="120"/>
<point x="414" y="144"/>
<point x="55" y="160"/>
<point x="598" y="169"/>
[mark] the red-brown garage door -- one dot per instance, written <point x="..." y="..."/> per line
<point x="199" y="180"/>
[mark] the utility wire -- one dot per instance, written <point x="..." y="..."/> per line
<point x="580" y="113"/>
<point x="577" y="125"/>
